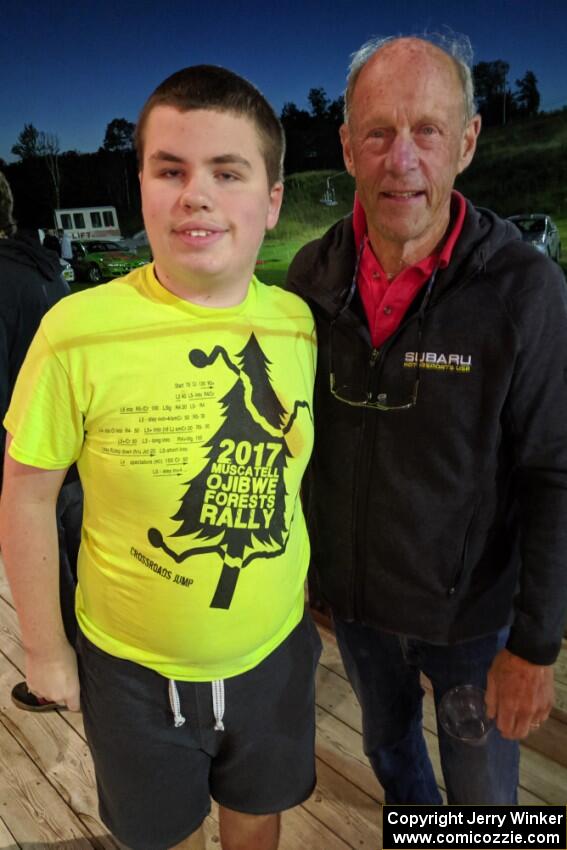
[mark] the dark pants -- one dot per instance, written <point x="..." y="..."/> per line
<point x="384" y="670"/>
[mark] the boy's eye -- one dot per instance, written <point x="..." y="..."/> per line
<point x="227" y="176"/>
<point x="171" y="172"/>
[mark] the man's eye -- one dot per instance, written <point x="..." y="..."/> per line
<point x="171" y="173"/>
<point x="428" y="130"/>
<point x="377" y="134"/>
<point x="227" y="176"/>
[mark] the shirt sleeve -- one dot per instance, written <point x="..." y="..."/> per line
<point x="44" y="418"/>
<point x="538" y="419"/>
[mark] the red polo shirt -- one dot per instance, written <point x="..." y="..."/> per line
<point x="386" y="301"/>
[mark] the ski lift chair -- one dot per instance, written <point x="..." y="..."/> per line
<point x="329" y="198"/>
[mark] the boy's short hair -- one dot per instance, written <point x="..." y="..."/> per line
<point x="7" y="221"/>
<point x="215" y="88"/>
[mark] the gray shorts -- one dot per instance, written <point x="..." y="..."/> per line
<point x="155" y="780"/>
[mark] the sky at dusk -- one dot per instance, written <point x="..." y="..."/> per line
<point x="69" y="68"/>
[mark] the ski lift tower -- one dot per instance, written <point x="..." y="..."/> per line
<point x="329" y="197"/>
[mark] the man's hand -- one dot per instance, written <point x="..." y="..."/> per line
<point x="54" y="677"/>
<point x="519" y="695"/>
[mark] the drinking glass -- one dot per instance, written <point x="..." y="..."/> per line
<point x="462" y="713"/>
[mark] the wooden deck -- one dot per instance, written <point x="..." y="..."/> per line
<point x="48" y="797"/>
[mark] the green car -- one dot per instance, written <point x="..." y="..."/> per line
<point x="100" y="260"/>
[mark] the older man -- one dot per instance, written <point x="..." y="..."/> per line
<point x="438" y="491"/>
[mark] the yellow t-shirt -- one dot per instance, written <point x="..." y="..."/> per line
<point x="191" y="428"/>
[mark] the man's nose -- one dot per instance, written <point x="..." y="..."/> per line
<point x="402" y="154"/>
<point x="196" y="193"/>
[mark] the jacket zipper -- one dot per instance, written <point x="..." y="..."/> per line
<point x="359" y="517"/>
<point x="374" y="357"/>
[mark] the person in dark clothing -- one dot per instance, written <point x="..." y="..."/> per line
<point x="51" y="243"/>
<point x="437" y="493"/>
<point x="31" y="283"/>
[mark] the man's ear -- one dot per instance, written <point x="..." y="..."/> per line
<point x="344" y="133"/>
<point x="275" y="205"/>
<point x="468" y="142"/>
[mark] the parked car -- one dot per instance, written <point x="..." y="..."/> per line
<point x="67" y="270"/>
<point x="540" y="231"/>
<point x="102" y="260"/>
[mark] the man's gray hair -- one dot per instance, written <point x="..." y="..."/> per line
<point x="457" y="47"/>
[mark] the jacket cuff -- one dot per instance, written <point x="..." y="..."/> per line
<point x="533" y="649"/>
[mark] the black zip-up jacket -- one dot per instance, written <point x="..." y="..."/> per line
<point x="448" y="520"/>
<point x="30" y="283"/>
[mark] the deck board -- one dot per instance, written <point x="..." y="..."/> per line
<point x="57" y="751"/>
<point x="32" y="809"/>
<point x="47" y="790"/>
<point x="7" y="840"/>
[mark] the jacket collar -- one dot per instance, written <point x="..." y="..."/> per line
<point x="322" y="271"/>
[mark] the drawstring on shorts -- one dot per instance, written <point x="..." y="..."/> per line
<point x="218" y="703"/>
<point x="178" y="719"/>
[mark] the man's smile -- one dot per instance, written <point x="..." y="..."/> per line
<point x="199" y="233"/>
<point x="403" y="196"/>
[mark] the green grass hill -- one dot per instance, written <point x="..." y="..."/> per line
<point x="303" y="218"/>
<point x="521" y="167"/>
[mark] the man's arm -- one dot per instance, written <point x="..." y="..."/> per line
<point x="520" y="687"/>
<point x="28" y="537"/>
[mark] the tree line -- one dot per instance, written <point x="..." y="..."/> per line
<point x="44" y="177"/>
<point x="497" y="102"/>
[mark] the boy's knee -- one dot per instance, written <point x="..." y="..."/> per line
<point x="240" y="831"/>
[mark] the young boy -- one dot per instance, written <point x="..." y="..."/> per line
<point x="183" y="392"/>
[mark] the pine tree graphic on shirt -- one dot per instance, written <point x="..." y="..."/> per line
<point x="237" y="501"/>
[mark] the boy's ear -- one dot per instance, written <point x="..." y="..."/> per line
<point x="275" y="205"/>
<point x="344" y="134"/>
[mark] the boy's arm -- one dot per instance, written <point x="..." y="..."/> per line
<point x="30" y="549"/>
